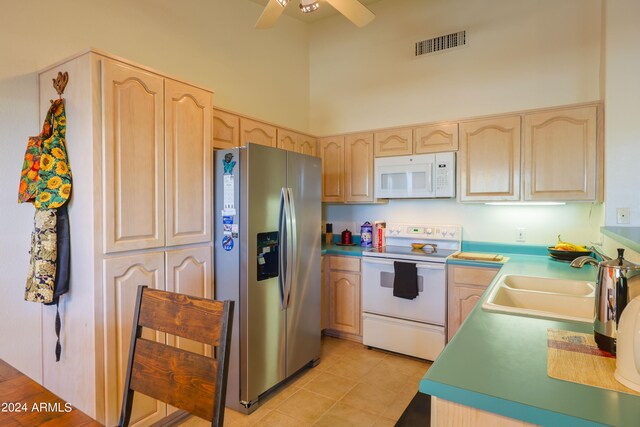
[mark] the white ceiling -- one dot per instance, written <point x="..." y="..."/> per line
<point x="323" y="11"/>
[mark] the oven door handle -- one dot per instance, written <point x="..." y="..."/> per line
<point x="434" y="266"/>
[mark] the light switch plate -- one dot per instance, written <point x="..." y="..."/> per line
<point x="623" y="216"/>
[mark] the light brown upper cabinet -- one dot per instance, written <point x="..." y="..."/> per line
<point x="489" y="159"/>
<point x="425" y="139"/>
<point x="393" y="142"/>
<point x="307" y="145"/>
<point x="561" y="154"/>
<point x="157" y="163"/>
<point x="287" y="140"/>
<point x="225" y="128"/>
<point x="187" y="163"/>
<point x="293" y="141"/>
<point x="257" y="133"/>
<point x="358" y="170"/>
<point x="133" y="119"/>
<point x="332" y="154"/>
<point x="435" y="138"/>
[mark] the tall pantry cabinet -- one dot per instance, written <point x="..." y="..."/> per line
<point x="140" y="214"/>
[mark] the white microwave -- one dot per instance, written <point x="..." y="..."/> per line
<point x="419" y="176"/>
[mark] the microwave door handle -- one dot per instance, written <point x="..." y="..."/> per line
<point x="430" y="176"/>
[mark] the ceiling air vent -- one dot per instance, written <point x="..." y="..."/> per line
<point x="440" y="43"/>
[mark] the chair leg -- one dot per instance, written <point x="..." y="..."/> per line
<point x="127" y="401"/>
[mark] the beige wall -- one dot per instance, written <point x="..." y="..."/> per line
<point x="521" y="54"/>
<point x="622" y="129"/>
<point x="208" y="42"/>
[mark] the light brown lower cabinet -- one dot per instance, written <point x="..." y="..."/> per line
<point x="122" y="276"/>
<point x="182" y="270"/>
<point x="345" y="314"/>
<point x="465" y="287"/>
<point x="451" y="414"/>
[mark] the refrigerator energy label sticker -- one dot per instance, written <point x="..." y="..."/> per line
<point x="228" y="204"/>
<point x="227" y="243"/>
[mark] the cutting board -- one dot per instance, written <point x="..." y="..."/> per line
<point x="575" y="357"/>
<point x="476" y="256"/>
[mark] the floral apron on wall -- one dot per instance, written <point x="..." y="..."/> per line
<point x="46" y="182"/>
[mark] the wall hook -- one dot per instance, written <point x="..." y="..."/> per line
<point x="60" y="82"/>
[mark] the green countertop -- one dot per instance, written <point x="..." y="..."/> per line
<point x="334" y="249"/>
<point x="498" y="363"/>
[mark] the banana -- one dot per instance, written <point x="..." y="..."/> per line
<point x="566" y="246"/>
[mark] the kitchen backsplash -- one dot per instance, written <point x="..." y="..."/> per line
<point x="576" y="222"/>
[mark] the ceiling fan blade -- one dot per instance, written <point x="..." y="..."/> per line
<point x="353" y="10"/>
<point x="270" y="15"/>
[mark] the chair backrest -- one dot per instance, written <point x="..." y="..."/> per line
<point x="186" y="380"/>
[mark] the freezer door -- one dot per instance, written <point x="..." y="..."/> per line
<point x="263" y="318"/>
<point x="303" y="308"/>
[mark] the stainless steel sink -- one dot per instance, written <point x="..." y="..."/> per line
<point x="543" y="297"/>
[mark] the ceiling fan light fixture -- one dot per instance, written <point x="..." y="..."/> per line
<point x="283" y="3"/>
<point x="308" y="6"/>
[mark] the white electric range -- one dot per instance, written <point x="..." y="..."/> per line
<point x="415" y="327"/>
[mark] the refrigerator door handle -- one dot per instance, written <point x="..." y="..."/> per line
<point x="292" y="246"/>
<point x="283" y="236"/>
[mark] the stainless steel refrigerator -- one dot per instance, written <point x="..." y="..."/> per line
<point x="267" y="259"/>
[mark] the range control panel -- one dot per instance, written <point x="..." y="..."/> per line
<point x="413" y="231"/>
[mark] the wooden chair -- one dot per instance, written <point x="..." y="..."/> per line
<point x="189" y="381"/>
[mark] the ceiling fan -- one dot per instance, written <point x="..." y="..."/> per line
<point x="353" y="10"/>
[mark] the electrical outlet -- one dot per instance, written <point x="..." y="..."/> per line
<point x="623" y="216"/>
<point x="521" y="235"/>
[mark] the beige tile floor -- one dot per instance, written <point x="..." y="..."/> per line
<point x="351" y="386"/>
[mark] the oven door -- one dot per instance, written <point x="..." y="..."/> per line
<point x="377" y="291"/>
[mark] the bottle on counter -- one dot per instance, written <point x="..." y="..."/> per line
<point x="366" y="231"/>
<point x="328" y="236"/>
<point x="378" y="233"/>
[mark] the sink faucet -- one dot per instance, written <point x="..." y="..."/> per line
<point x="582" y="260"/>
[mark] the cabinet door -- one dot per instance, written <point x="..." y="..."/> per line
<point x="436" y="138"/>
<point x="287" y="140"/>
<point x="344" y="302"/>
<point x="257" y="132"/>
<point x="332" y="154"/>
<point x="307" y="145"/>
<point x="133" y="123"/>
<point x="225" y="128"/>
<point x="188" y="271"/>
<point x="358" y="171"/>
<point x="394" y="142"/>
<point x="463" y="300"/>
<point x="188" y="164"/>
<point x="560" y="150"/>
<point x="122" y="276"/>
<point x="465" y="286"/>
<point x="489" y="159"/>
